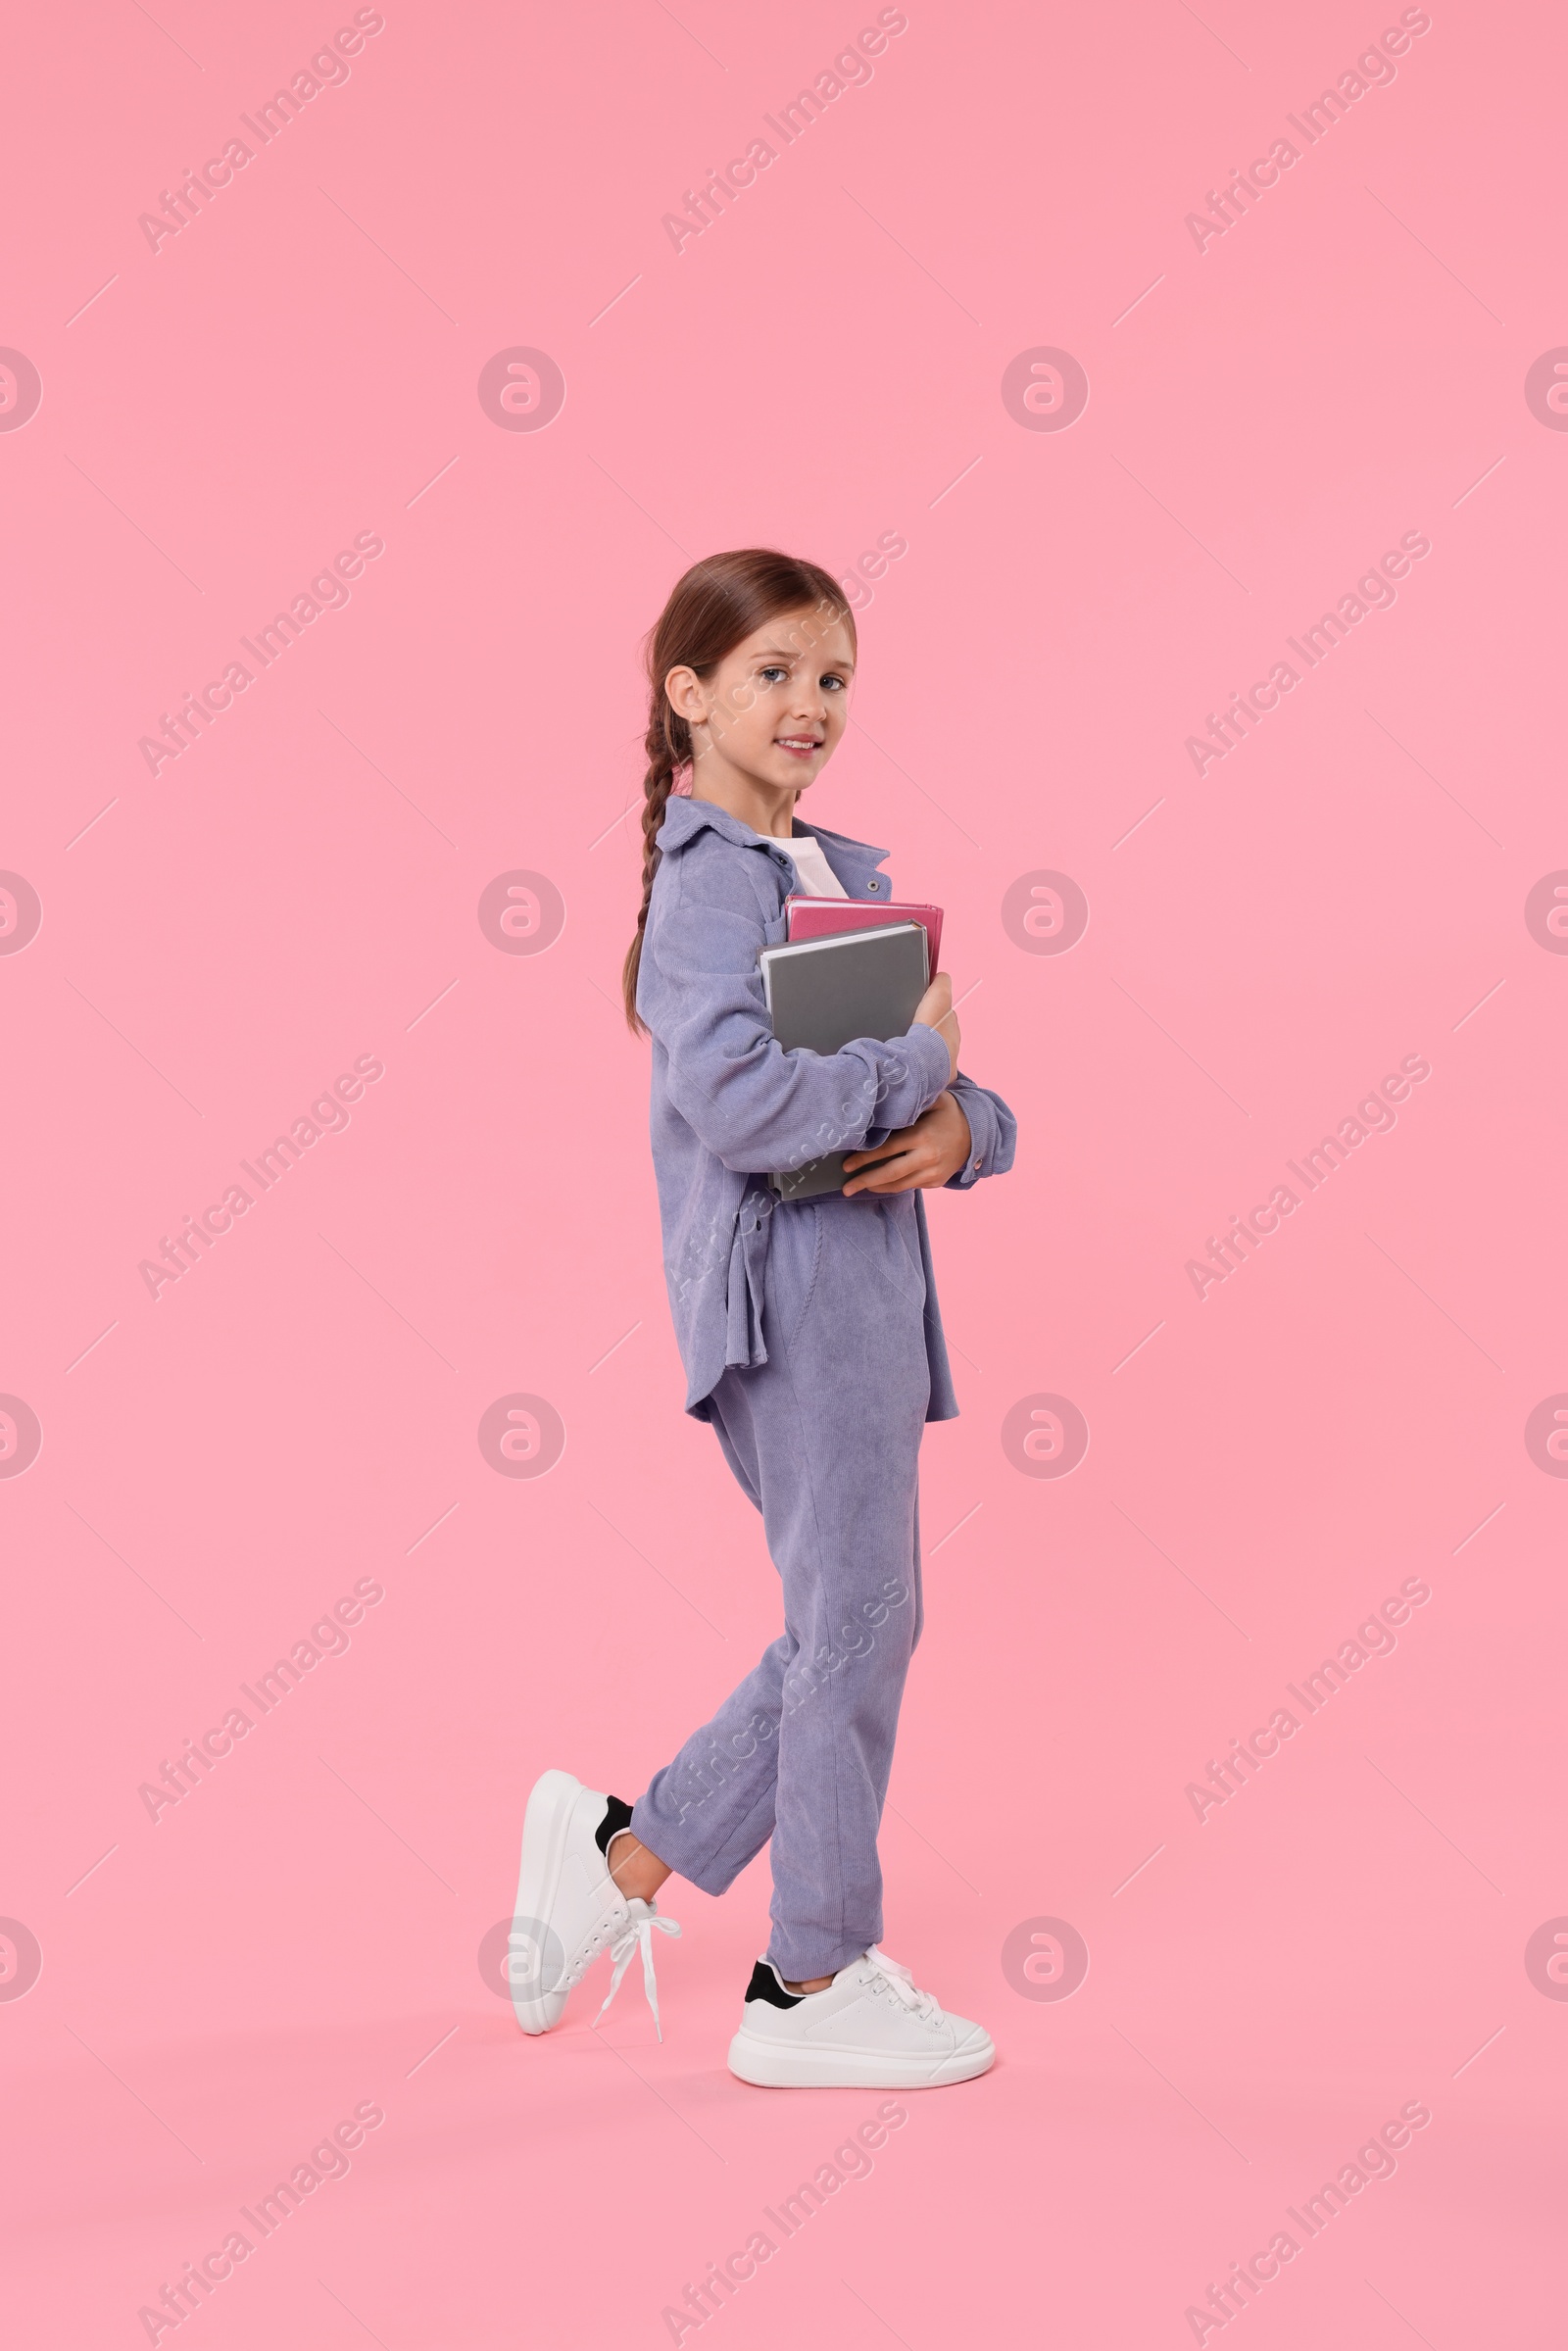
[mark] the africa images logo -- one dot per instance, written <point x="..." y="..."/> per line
<point x="21" y="1436"/>
<point x="1373" y="70"/>
<point x="184" y="204"/>
<point x="328" y="592"/>
<point x="521" y="389"/>
<point x="521" y="1436"/>
<point x="20" y="390"/>
<point x="1044" y="389"/>
<point x="851" y="69"/>
<point x="21" y="913"/>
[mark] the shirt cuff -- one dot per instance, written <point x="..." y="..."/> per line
<point x="980" y="1112"/>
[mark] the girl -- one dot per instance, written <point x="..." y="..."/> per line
<point x="812" y="1342"/>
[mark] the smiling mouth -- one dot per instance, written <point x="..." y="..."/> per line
<point x="801" y="746"/>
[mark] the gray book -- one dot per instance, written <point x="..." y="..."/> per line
<point x="824" y="993"/>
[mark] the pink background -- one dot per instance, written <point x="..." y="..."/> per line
<point x="820" y="367"/>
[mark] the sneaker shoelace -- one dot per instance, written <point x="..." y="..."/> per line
<point x="900" y="1981"/>
<point x="637" y="1935"/>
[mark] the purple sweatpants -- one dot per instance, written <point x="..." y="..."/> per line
<point x="824" y="1437"/>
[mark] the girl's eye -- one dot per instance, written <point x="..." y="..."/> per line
<point x="834" y="681"/>
<point x="771" y="672"/>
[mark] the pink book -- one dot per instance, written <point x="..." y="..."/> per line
<point x="816" y="918"/>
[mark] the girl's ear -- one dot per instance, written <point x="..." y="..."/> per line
<point x="686" y="694"/>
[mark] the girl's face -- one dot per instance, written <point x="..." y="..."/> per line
<point x="768" y="718"/>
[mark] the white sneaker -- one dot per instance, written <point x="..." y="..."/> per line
<point x="871" y="2029"/>
<point x="568" y="1906"/>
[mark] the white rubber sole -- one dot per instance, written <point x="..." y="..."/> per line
<point x="773" y="2065"/>
<point x="544" y="1848"/>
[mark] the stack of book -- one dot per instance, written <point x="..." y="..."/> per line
<point x="847" y="969"/>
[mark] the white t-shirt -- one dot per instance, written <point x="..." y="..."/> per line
<point x="817" y="877"/>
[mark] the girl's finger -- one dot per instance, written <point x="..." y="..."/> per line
<point x="869" y="1158"/>
<point x="897" y="1174"/>
<point x="916" y="1171"/>
<point x="876" y="1179"/>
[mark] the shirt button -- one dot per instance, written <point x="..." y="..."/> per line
<point x="975" y="1164"/>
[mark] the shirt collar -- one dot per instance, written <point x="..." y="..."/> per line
<point x="685" y="818"/>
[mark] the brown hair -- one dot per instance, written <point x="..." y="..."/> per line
<point x="713" y="608"/>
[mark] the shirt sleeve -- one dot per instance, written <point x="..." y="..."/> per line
<point x="760" y="1109"/>
<point x="992" y="1133"/>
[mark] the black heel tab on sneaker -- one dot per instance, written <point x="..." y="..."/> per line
<point x="766" y="1986"/>
<point x="618" y="1816"/>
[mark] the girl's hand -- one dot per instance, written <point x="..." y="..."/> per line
<point x="917" y="1157"/>
<point x="935" y="1009"/>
